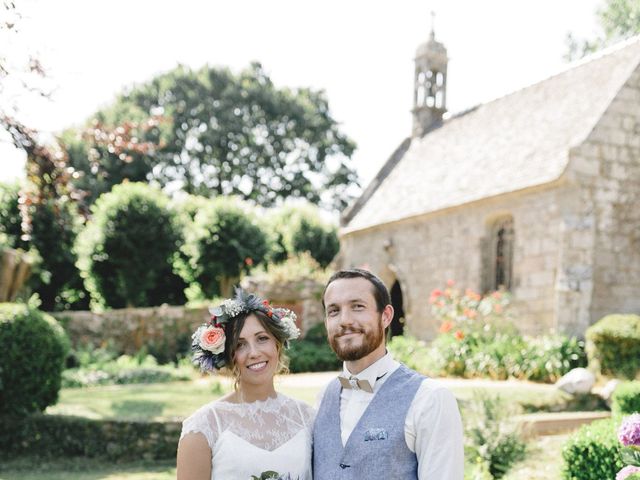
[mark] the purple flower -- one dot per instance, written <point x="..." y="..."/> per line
<point x="629" y="431"/>
<point x="627" y="471"/>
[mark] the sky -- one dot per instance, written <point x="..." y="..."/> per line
<point x="359" y="51"/>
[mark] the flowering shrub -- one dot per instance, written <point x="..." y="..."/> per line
<point x="629" y="437"/>
<point x="478" y="338"/>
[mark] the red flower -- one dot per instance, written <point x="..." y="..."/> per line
<point x="445" y="327"/>
<point x="459" y="334"/>
<point x="450" y="282"/>
<point x="248" y="261"/>
<point x="434" y="295"/>
<point x="497" y="308"/>
<point x="269" y="313"/>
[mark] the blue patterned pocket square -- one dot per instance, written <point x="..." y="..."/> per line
<point x="375" y="434"/>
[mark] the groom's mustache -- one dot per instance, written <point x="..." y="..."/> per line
<point x="347" y="331"/>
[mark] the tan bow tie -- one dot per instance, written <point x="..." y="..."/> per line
<point x="356" y="384"/>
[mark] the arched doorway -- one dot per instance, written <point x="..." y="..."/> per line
<point x="397" y="324"/>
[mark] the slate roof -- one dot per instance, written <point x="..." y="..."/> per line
<point x="514" y="142"/>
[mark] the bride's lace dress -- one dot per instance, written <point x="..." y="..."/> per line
<point x="249" y="438"/>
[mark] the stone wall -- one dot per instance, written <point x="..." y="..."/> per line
<point x="158" y="329"/>
<point x="422" y="253"/>
<point x="607" y="168"/>
<point x="302" y="296"/>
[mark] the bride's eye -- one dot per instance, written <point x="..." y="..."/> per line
<point x="263" y="338"/>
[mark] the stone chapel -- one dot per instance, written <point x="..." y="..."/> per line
<point x="537" y="192"/>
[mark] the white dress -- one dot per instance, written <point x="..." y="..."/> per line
<point x="250" y="438"/>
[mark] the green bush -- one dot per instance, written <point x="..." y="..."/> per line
<point x="491" y="435"/>
<point x="104" y="369"/>
<point x="46" y="436"/>
<point x="613" y="345"/>
<point x="412" y="352"/>
<point x="128" y="249"/>
<point x="592" y="453"/>
<point x="294" y="230"/>
<point x="312" y="353"/>
<point x="626" y="398"/>
<point x="34" y="347"/>
<point x="10" y="219"/>
<point x="223" y="241"/>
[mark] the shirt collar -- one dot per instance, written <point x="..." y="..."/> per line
<point x="374" y="371"/>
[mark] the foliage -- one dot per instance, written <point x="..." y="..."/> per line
<point x="626" y="398"/>
<point x="48" y="436"/>
<point x="10" y="219"/>
<point x="128" y="249"/>
<point x="107" y="156"/>
<point x="414" y="353"/>
<point x="312" y="353"/>
<point x="592" y="453"/>
<point x="491" y="435"/>
<point x="618" y="19"/>
<point x="223" y="241"/>
<point x="477" y="338"/>
<point x="220" y="133"/>
<point x="99" y="367"/>
<point x="33" y="347"/>
<point x="613" y="345"/>
<point x="295" y="267"/>
<point x="298" y="229"/>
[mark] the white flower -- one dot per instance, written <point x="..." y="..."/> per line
<point x="289" y="324"/>
<point x="232" y="307"/>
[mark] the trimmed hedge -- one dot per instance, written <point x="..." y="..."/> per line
<point x="613" y="345"/>
<point x="593" y="452"/>
<point x="313" y="353"/>
<point x="34" y="347"/>
<point x="626" y="399"/>
<point x="57" y="435"/>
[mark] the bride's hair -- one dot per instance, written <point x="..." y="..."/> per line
<point x="233" y="336"/>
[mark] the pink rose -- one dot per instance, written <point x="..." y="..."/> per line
<point x="212" y="339"/>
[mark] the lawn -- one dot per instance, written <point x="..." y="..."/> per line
<point x="176" y="400"/>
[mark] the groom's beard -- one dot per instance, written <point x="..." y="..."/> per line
<point x="370" y="340"/>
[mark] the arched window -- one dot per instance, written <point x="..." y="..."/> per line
<point x="499" y="257"/>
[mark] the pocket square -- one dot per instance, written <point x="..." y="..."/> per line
<point x="375" y="434"/>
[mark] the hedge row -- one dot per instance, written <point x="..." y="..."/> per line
<point x="56" y="436"/>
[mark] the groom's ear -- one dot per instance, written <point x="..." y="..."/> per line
<point x="387" y="315"/>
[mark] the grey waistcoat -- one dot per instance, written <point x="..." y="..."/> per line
<point x="376" y="447"/>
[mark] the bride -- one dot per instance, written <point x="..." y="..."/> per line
<point x="253" y="429"/>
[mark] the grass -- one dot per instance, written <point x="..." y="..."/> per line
<point x="176" y="400"/>
<point x="26" y="468"/>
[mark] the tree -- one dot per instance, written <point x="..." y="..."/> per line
<point x="128" y="249"/>
<point x="219" y="133"/>
<point x="223" y="241"/>
<point x="619" y="19"/>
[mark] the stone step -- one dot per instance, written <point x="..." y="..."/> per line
<point x="538" y="424"/>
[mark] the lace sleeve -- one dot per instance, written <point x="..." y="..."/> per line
<point x="308" y="414"/>
<point x="202" y="421"/>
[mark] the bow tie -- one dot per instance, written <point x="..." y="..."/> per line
<point x="355" y="384"/>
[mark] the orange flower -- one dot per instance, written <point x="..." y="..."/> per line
<point x="497" y="308"/>
<point x="212" y="339"/>
<point x="496" y="295"/>
<point x="459" y="334"/>
<point x="470" y="313"/>
<point x="445" y="327"/>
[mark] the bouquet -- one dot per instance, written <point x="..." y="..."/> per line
<point x="629" y="436"/>
<point x="271" y="475"/>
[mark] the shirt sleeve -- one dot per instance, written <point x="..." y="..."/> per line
<point x="202" y="422"/>
<point x="433" y="430"/>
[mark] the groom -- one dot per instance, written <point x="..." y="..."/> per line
<point x="379" y="419"/>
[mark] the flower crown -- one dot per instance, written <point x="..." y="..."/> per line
<point x="208" y="341"/>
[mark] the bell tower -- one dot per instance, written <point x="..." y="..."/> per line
<point x="430" y="84"/>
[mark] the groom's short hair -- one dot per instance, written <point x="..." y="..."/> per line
<point x="380" y="292"/>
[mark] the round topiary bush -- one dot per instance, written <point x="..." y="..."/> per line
<point x="34" y="347"/>
<point x="128" y="249"/>
<point x="613" y="345"/>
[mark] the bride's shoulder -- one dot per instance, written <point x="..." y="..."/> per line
<point x="307" y="410"/>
